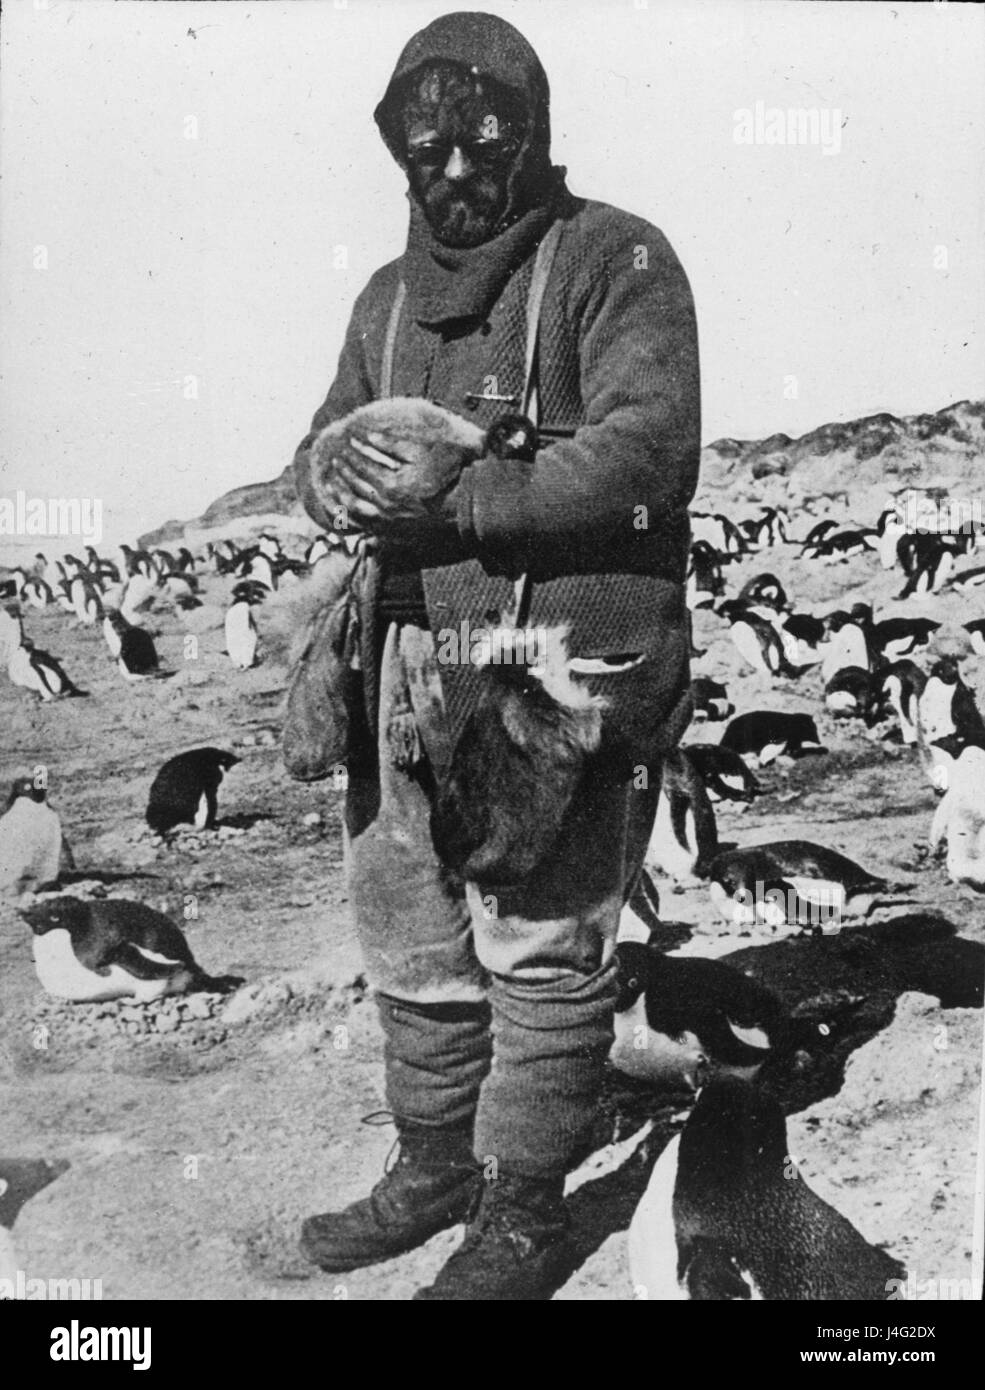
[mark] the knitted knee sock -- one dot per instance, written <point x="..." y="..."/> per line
<point x="550" y="1043"/>
<point x="436" y="1056"/>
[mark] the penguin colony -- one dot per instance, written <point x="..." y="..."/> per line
<point x="720" y="1204"/>
<point x="723" y="1216"/>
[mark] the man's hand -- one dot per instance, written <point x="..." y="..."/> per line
<point x="382" y="492"/>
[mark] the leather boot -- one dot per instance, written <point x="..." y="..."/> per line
<point x="435" y="1057"/>
<point x="431" y="1186"/>
<point x="516" y="1248"/>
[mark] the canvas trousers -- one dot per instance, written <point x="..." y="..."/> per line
<point x="496" y="1007"/>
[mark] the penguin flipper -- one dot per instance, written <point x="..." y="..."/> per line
<point x="136" y="962"/>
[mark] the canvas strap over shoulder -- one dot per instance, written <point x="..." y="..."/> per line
<point x="546" y="252"/>
<point x="535" y="297"/>
<point x="530" y="402"/>
<point x="390" y="341"/>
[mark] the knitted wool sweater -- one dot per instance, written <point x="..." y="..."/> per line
<point x="599" y="519"/>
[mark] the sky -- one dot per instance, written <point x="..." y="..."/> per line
<point x="194" y="194"/>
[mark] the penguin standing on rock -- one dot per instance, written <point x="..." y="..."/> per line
<point x="727" y="1216"/>
<point x="113" y="949"/>
<point x="33" y="850"/>
<point x="185" y="789"/>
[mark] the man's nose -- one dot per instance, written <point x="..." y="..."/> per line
<point x="458" y="167"/>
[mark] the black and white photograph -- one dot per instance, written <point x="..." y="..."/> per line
<point x="492" y="660"/>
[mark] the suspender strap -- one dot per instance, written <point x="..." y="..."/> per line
<point x="543" y="262"/>
<point x="535" y="298"/>
<point x="531" y="404"/>
<point x="390" y="341"/>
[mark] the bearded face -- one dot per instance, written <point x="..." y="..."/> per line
<point x="462" y="139"/>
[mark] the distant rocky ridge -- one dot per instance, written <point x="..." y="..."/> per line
<point x="866" y="459"/>
<point x="863" y="460"/>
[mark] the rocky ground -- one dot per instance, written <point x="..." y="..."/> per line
<point x="200" y="1131"/>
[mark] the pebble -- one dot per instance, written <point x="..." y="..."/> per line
<point x="312" y="818"/>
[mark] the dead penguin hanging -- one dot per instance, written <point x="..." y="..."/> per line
<point x="521" y="755"/>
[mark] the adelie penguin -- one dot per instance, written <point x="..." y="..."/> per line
<point x="40" y="672"/>
<point x="723" y="772"/>
<point x="817" y="534"/>
<point x="33" y="851"/>
<point x="728" y="1217"/>
<point x="769" y="528"/>
<point x="927" y="561"/>
<point x="764" y="589"/>
<point x="185" y="790"/>
<point x="20" y="1180"/>
<point x="793" y="882"/>
<point x="684" y="839"/>
<point x="682" y="1019"/>
<point x="710" y="700"/>
<point x="853" y="693"/>
<point x="960" y="819"/>
<point x="113" y="949"/>
<point x="947" y="706"/>
<point x="899" y="637"/>
<point x="704" y="576"/>
<point x="768" y="734"/>
<point x="759" y="641"/>
<point x="976" y="635"/>
<point x="518" y="762"/>
<point x="241" y="628"/>
<point x="901" y="686"/>
<point x="839" y="545"/>
<point x="131" y="647"/>
<point x="11" y="632"/>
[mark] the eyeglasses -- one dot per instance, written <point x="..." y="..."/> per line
<point x="487" y="154"/>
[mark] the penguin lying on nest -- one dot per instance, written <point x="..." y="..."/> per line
<point x="114" y="949"/>
<point x="796" y="882"/>
<point x="322" y="628"/>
